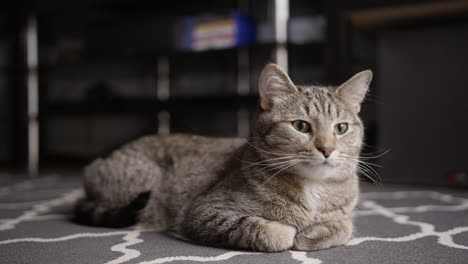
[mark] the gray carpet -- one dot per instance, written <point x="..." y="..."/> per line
<point x="395" y="224"/>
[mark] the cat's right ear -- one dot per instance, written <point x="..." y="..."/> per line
<point x="354" y="90"/>
<point x="274" y="85"/>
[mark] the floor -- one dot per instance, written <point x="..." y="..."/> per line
<point x="394" y="224"/>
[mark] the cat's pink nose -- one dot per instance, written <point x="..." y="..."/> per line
<point x="326" y="151"/>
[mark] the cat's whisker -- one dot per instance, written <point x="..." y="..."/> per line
<point x="275" y="166"/>
<point x="283" y="169"/>
<point x="361" y="161"/>
<point x="373" y="156"/>
<point x="265" y="161"/>
<point x="375" y="173"/>
<point x="268" y="152"/>
<point x="269" y="169"/>
<point x="368" y="167"/>
<point x="364" y="169"/>
<point x="367" y="175"/>
<point x="370" y="146"/>
<point x="371" y="172"/>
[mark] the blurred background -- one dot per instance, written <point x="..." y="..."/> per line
<point x="79" y="78"/>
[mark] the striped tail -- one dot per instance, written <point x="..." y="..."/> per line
<point x="95" y="214"/>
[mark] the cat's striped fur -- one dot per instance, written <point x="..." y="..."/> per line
<point x="275" y="192"/>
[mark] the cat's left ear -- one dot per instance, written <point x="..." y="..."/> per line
<point x="354" y="90"/>
<point x="274" y="86"/>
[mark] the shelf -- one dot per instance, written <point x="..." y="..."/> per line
<point x="209" y="102"/>
<point x="311" y="45"/>
<point x="145" y="53"/>
<point x="101" y="107"/>
<point x="165" y="8"/>
<point x="146" y="59"/>
<point x="151" y="107"/>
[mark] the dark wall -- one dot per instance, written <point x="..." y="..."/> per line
<point x="4" y="102"/>
<point x="423" y="85"/>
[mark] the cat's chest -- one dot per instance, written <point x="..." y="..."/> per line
<point x="300" y="211"/>
<point x="322" y="203"/>
<point x="313" y="198"/>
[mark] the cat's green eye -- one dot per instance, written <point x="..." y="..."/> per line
<point x="301" y="126"/>
<point x="341" y="128"/>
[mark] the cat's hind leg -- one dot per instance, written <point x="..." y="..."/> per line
<point x="117" y="188"/>
<point x="89" y="212"/>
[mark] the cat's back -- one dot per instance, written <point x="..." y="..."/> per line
<point x="182" y="146"/>
<point x="182" y="157"/>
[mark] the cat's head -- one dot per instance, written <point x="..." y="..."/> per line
<point x="312" y="131"/>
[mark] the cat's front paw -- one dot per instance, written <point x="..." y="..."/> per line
<point x="270" y="236"/>
<point x="275" y="237"/>
<point x="325" y="235"/>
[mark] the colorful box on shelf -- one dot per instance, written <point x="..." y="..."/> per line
<point x="203" y="33"/>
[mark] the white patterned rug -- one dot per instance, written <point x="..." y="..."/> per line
<point x="393" y="225"/>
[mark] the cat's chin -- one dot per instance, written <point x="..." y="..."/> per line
<point x="315" y="172"/>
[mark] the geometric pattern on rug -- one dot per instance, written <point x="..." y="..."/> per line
<point x="396" y="224"/>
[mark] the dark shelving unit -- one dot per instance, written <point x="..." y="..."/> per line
<point x="150" y="106"/>
<point x="102" y="60"/>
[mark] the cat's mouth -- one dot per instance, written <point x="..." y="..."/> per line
<point x="322" y="163"/>
<point x="316" y="169"/>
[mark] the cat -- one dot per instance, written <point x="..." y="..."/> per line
<point x="293" y="185"/>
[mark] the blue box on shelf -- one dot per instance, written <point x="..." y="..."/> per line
<point x="204" y="33"/>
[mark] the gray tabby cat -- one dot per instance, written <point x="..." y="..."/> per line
<point x="292" y="186"/>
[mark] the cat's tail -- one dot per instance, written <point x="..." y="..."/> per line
<point x="89" y="212"/>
